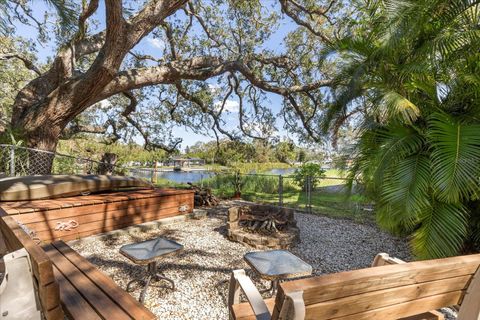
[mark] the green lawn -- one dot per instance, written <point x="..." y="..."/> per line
<point x="330" y="197"/>
<point x="335" y="205"/>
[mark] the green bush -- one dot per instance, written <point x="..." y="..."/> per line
<point x="312" y="170"/>
<point x="64" y="165"/>
<point x="224" y="184"/>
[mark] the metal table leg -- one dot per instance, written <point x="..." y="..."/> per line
<point x="152" y="274"/>
<point x="273" y="287"/>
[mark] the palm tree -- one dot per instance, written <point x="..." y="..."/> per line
<point x="413" y="68"/>
<point x="14" y="10"/>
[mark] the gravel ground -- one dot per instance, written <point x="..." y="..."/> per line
<point x="202" y="270"/>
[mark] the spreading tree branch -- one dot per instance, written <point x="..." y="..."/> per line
<point x="28" y="63"/>
<point x="149" y="144"/>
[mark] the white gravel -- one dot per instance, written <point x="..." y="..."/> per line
<point x="202" y="270"/>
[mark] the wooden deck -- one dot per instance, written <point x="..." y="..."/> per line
<point x="97" y="213"/>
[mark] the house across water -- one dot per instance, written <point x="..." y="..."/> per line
<point x="179" y="163"/>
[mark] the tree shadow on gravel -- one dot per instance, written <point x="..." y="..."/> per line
<point x="222" y="230"/>
<point x="139" y="236"/>
<point x="128" y="271"/>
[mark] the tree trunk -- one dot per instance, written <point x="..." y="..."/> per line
<point x="107" y="164"/>
<point x="42" y="126"/>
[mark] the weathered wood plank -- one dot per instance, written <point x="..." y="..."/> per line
<point x="100" y="302"/>
<point x="54" y="314"/>
<point x="75" y="306"/>
<point x="101" y="226"/>
<point x="49" y="221"/>
<point x="49" y="295"/>
<point x="19" y="207"/>
<point x="344" y="284"/>
<point x="124" y="300"/>
<point x="470" y="309"/>
<point x="101" y="212"/>
<point x="16" y="238"/>
<point x="359" y="303"/>
<point x="400" y="310"/>
<point x="243" y="311"/>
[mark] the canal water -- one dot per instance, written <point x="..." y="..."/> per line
<point x="175" y="176"/>
<point x="193" y="176"/>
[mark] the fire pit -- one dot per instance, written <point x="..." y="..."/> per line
<point x="263" y="226"/>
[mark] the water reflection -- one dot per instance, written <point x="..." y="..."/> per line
<point x="175" y="176"/>
<point x="194" y="176"/>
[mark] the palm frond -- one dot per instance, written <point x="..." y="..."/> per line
<point x="399" y="105"/>
<point x="407" y="185"/>
<point x="442" y="231"/>
<point x="66" y="12"/>
<point x="455" y="158"/>
<point x="388" y="146"/>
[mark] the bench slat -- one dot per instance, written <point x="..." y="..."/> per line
<point x="54" y="314"/>
<point x="124" y="300"/>
<point x="49" y="295"/>
<point x="16" y="239"/>
<point x="95" y="297"/>
<point x="243" y="311"/>
<point x="344" y="284"/>
<point x="73" y="303"/>
<point x="384" y="298"/>
<point x="401" y="309"/>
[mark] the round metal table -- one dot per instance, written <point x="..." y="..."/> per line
<point x="147" y="253"/>
<point x="276" y="265"/>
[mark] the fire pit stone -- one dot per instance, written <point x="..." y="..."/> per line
<point x="263" y="226"/>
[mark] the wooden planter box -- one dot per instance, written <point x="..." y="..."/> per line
<point x="97" y="213"/>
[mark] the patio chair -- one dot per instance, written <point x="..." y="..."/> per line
<point x="17" y="291"/>
<point x="390" y="290"/>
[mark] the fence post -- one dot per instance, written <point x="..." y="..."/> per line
<point x="154" y="173"/>
<point x="309" y="194"/>
<point x="12" y="161"/>
<point x="280" y="190"/>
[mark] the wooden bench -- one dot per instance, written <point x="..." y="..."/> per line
<point x="390" y="290"/>
<point x="69" y="283"/>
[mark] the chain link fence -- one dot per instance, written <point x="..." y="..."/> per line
<point x="330" y="195"/>
<point x="21" y="161"/>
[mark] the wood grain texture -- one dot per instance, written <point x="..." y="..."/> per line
<point x="382" y="298"/>
<point x="400" y="310"/>
<point x="344" y="284"/>
<point x="99" y="301"/>
<point x="75" y="306"/>
<point x="20" y="207"/>
<point x="97" y="213"/>
<point x="243" y="311"/>
<point x="470" y="309"/>
<point x="387" y="292"/>
<point x="124" y="300"/>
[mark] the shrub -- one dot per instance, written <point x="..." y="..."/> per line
<point x="312" y="170"/>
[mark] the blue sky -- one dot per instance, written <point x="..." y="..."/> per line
<point x="153" y="46"/>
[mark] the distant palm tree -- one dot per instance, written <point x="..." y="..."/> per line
<point x="64" y="8"/>
<point x="413" y="68"/>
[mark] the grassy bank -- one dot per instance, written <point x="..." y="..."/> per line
<point x="330" y="198"/>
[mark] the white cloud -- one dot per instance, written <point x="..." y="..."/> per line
<point x="105" y="104"/>
<point x="230" y="105"/>
<point x="156" y="43"/>
<point x="213" y="87"/>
